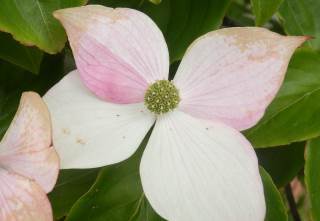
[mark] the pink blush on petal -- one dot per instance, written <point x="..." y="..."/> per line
<point x="118" y="52"/>
<point x="107" y="76"/>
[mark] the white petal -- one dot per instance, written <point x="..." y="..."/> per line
<point x="89" y="132"/>
<point x="194" y="170"/>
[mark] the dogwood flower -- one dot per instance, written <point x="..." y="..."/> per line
<point x="29" y="164"/>
<point x="196" y="165"/>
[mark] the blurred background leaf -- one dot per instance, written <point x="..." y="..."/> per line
<point x="264" y="9"/>
<point x="239" y="14"/>
<point x="282" y="163"/>
<point x="155" y="1"/>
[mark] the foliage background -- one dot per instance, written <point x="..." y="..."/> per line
<point x="34" y="56"/>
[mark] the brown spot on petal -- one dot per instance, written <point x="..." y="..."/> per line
<point x="65" y="131"/>
<point x="81" y="141"/>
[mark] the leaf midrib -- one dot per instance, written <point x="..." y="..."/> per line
<point x="50" y="35"/>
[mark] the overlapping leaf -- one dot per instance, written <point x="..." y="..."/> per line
<point x="28" y="58"/>
<point x="312" y="176"/>
<point x="71" y="185"/>
<point x="31" y="22"/>
<point x="276" y="210"/>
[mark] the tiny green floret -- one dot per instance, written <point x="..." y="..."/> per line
<point x="161" y="97"/>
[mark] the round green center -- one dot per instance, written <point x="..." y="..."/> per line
<point x="161" y="97"/>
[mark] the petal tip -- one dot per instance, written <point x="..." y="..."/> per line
<point x="299" y="40"/>
<point x="29" y="94"/>
<point x="308" y="37"/>
<point x="58" y="14"/>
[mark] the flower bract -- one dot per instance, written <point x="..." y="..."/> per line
<point x="196" y="165"/>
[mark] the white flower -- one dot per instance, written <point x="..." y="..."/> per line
<point x="196" y="165"/>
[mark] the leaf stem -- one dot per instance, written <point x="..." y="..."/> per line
<point x="292" y="203"/>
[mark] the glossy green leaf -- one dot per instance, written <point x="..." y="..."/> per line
<point x="264" y="9"/>
<point x="25" y="57"/>
<point x="71" y="185"/>
<point x="181" y="21"/>
<point x="302" y="18"/>
<point x="117" y="195"/>
<point x="282" y="163"/>
<point x="312" y="176"/>
<point x="294" y="114"/>
<point x="31" y="22"/>
<point x="276" y="210"/>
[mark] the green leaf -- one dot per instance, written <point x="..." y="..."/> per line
<point x="238" y="14"/>
<point x="282" y="163"/>
<point x="181" y="21"/>
<point x="28" y="58"/>
<point x="264" y="9"/>
<point x="31" y="22"/>
<point x="276" y="210"/>
<point x="312" y="176"/>
<point x="117" y="195"/>
<point x="302" y="18"/>
<point x="294" y="113"/>
<point x="155" y="1"/>
<point x="71" y="185"/>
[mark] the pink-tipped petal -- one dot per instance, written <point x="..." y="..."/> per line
<point x="27" y="146"/>
<point x="196" y="170"/>
<point x="233" y="74"/>
<point x="22" y="199"/>
<point x="118" y="52"/>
